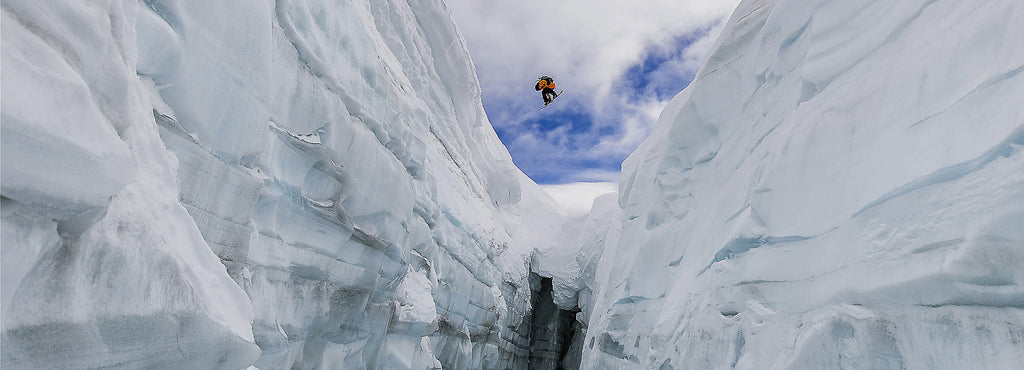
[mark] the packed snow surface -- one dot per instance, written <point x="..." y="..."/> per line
<point x="842" y="186"/>
<point x="284" y="184"/>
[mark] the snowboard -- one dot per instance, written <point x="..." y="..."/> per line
<point x="552" y="100"/>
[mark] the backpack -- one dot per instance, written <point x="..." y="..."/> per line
<point x="549" y="83"/>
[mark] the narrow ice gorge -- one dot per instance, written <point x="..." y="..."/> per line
<point x="315" y="184"/>
<point x="842" y="186"/>
<point x="284" y="184"/>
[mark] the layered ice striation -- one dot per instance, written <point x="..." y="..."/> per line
<point x="285" y="184"/>
<point x="842" y="186"/>
<point x="314" y="184"/>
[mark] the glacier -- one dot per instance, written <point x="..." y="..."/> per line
<point x="842" y="186"/>
<point x="315" y="184"/>
<point x="278" y="184"/>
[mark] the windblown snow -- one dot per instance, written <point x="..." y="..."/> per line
<point x="315" y="184"/>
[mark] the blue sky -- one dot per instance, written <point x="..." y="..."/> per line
<point x="572" y="128"/>
<point x="619" y="63"/>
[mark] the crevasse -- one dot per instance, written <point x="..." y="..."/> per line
<point x="315" y="184"/>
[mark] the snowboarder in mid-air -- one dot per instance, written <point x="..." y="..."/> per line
<point x="546" y="85"/>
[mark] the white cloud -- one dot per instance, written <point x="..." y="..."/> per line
<point x="578" y="198"/>
<point x="635" y="123"/>
<point x="587" y="45"/>
<point x="596" y="175"/>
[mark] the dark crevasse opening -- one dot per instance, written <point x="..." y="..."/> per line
<point x="552" y="330"/>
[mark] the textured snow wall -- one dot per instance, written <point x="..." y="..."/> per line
<point x="286" y="184"/>
<point x="842" y="186"/>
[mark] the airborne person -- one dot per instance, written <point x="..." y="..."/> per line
<point x="546" y="85"/>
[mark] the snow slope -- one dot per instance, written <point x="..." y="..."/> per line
<point x="842" y="186"/>
<point x="285" y="184"/>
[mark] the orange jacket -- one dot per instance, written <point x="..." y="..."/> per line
<point x="543" y="84"/>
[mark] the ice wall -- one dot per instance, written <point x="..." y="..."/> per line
<point x="285" y="184"/>
<point x="842" y="186"/>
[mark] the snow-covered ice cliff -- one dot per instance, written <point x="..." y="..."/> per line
<point x="314" y="184"/>
<point x="842" y="186"/>
<point x="285" y="184"/>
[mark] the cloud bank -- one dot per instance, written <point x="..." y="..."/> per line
<point x="619" y="62"/>
<point x="577" y="198"/>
